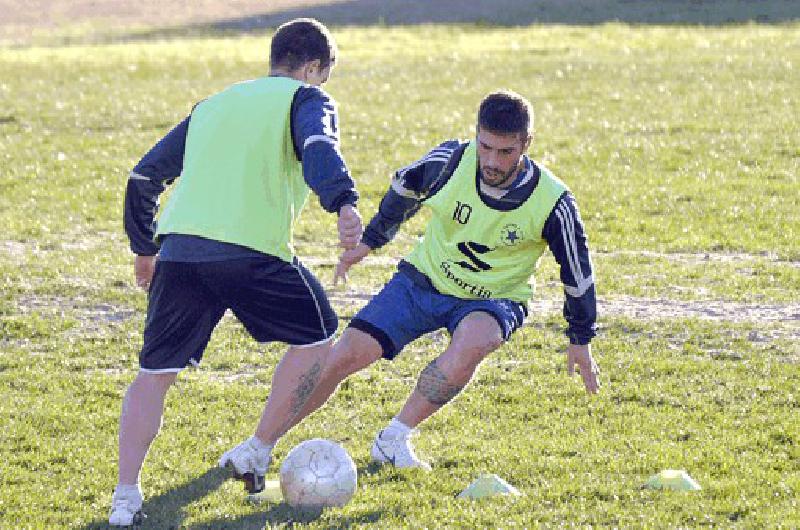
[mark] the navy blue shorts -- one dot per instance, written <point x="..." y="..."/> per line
<point x="404" y="310"/>
<point x="273" y="299"/>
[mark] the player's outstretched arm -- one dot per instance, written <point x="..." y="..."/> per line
<point x="580" y="355"/>
<point x="347" y="260"/>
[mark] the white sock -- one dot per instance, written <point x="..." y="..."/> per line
<point x="397" y="429"/>
<point x="260" y="446"/>
<point x="128" y="491"/>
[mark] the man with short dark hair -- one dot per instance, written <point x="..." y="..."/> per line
<point x="494" y="212"/>
<point x="247" y="158"/>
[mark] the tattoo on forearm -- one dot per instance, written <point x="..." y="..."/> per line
<point x="433" y="384"/>
<point x="308" y="382"/>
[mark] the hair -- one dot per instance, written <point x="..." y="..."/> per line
<point x="300" y="41"/>
<point x="506" y="112"/>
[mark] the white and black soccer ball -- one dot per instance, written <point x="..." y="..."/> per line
<point x="318" y="474"/>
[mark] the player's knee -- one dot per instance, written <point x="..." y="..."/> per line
<point x="154" y="381"/>
<point x="461" y="374"/>
<point x="492" y="343"/>
<point x="475" y="350"/>
<point x="347" y="358"/>
<point x="470" y="359"/>
<point x="476" y="336"/>
<point x="342" y="364"/>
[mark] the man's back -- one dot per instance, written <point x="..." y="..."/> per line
<point x="241" y="181"/>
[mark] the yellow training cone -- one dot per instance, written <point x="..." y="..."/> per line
<point x="486" y="486"/>
<point x="271" y="493"/>
<point x="672" y="479"/>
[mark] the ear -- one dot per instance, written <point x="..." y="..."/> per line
<point x="527" y="143"/>
<point x="313" y="66"/>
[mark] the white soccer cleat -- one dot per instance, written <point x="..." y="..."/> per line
<point x="249" y="463"/>
<point x="126" y="510"/>
<point x="396" y="451"/>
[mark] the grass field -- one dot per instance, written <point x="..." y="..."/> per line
<point x="682" y="145"/>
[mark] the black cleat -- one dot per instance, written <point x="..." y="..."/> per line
<point x="252" y="483"/>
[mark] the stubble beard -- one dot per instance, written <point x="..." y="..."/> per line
<point x="499" y="183"/>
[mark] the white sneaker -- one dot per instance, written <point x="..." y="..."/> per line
<point x="126" y="510"/>
<point x="396" y="451"/>
<point x="249" y="461"/>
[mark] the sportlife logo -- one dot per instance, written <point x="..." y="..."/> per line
<point x="477" y="290"/>
<point x="470" y="249"/>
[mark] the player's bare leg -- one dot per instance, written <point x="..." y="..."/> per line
<point x="303" y="382"/>
<point x="295" y="378"/>
<point x="140" y="422"/>
<point x="476" y="336"/>
<point x="353" y="352"/>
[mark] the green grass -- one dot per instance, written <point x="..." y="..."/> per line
<point x="681" y="145"/>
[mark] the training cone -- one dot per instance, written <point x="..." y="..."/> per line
<point x="271" y="493"/>
<point x="672" y="479"/>
<point x="486" y="486"/>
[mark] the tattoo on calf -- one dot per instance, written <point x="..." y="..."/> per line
<point x="433" y="384"/>
<point x="308" y="382"/>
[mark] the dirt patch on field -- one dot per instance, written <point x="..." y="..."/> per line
<point x="676" y="257"/>
<point x="649" y="308"/>
<point x="781" y="320"/>
<point x="93" y="315"/>
<point x="83" y="308"/>
<point x="706" y="257"/>
<point x="76" y="317"/>
<point x="652" y="309"/>
<point x="13" y="248"/>
<point x="75" y="240"/>
<point x="785" y="318"/>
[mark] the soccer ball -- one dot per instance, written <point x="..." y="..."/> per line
<point x="317" y="474"/>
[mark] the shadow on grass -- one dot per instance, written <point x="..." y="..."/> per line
<point x="501" y="13"/>
<point x="283" y="514"/>
<point x="385" y="474"/>
<point x="166" y="510"/>
<point x="482" y="13"/>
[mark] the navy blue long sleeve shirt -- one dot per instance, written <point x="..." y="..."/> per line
<point x="563" y="230"/>
<point x="316" y="142"/>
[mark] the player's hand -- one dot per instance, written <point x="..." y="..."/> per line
<point x="350" y="227"/>
<point x="143" y="267"/>
<point x="580" y="355"/>
<point x="347" y="260"/>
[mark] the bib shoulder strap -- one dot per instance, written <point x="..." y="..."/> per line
<point x="447" y="171"/>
